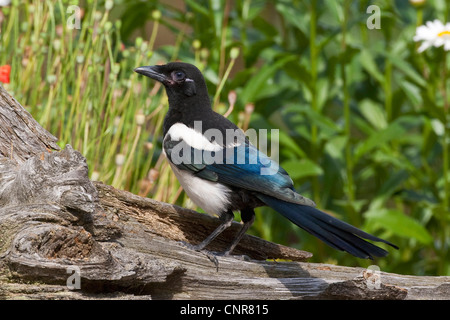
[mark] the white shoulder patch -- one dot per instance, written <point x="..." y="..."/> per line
<point x="195" y="139"/>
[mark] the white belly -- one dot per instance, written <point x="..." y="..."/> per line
<point x="212" y="197"/>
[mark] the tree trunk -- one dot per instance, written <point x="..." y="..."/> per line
<point x="63" y="236"/>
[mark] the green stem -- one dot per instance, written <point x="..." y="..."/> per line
<point x="153" y="35"/>
<point x="388" y="90"/>
<point x="314" y="104"/>
<point x="129" y="156"/>
<point x="419" y="17"/>
<point x="388" y="76"/>
<point x="348" y="147"/>
<point x="222" y="83"/>
<point x="446" y="135"/>
<point x="445" y="169"/>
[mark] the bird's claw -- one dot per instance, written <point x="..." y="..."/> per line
<point x="242" y="257"/>
<point x="213" y="255"/>
<point x="190" y="246"/>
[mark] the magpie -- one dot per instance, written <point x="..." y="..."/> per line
<point x="222" y="172"/>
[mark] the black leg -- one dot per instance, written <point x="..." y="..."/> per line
<point x="227" y="219"/>
<point x="248" y="217"/>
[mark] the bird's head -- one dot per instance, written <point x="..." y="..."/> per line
<point x="181" y="80"/>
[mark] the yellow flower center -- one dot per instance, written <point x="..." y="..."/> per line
<point x="444" y="33"/>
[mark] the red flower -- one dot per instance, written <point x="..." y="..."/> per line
<point x="4" y="73"/>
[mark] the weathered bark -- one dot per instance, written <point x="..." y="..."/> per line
<point x="55" y="223"/>
<point x="21" y="136"/>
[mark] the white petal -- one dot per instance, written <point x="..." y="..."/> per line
<point x="422" y="37"/>
<point x="425" y="45"/>
<point x="422" y="32"/>
<point x="437" y="24"/>
<point x="447" y="45"/>
<point x="438" y="42"/>
<point x="417" y="38"/>
<point x="430" y="24"/>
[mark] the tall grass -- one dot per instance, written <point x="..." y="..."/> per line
<point x="79" y="85"/>
<point x="363" y="117"/>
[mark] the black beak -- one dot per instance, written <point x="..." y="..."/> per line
<point x="153" y="72"/>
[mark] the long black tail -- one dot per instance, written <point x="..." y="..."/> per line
<point x="336" y="233"/>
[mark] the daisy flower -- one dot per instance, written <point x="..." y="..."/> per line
<point x="434" y="33"/>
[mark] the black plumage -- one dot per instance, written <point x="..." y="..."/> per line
<point x="229" y="184"/>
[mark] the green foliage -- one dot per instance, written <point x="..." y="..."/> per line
<point x="363" y="117"/>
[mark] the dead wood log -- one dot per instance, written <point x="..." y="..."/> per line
<point x="22" y="136"/>
<point x="60" y="231"/>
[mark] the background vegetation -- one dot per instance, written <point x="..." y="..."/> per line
<point x="363" y="117"/>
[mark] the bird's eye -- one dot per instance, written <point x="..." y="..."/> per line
<point x="178" y="75"/>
